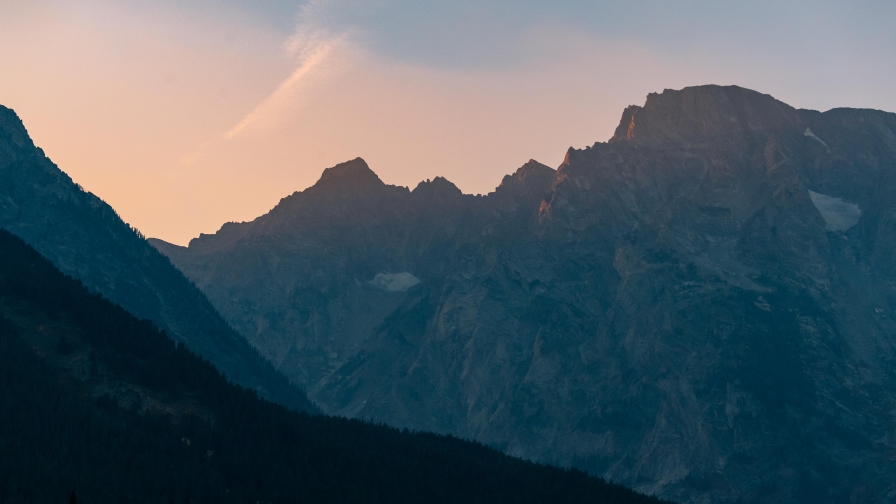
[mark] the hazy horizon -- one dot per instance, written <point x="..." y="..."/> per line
<point x="186" y="117"/>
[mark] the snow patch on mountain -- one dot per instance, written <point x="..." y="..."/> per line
<point x="839" y="215"/>
<point x="394" y="282"/>
<point x="811" y="135"/>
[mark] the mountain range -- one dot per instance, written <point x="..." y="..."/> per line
<point x="701" y="307"/>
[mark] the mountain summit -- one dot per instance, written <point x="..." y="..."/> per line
<point x="704" y="112"/>
<point x="702" y="307"/>
<point x="354" y="174"/>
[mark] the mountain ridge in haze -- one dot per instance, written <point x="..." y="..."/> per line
<point x="670" y="309"/>
<point x="85" y="238"/>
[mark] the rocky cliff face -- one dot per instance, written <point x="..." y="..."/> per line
<point x="701" y="307"/>
<point x="86" y="239"/>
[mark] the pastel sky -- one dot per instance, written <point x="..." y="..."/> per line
<point x="186" y="115"/>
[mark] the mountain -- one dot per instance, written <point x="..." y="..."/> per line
<point x="701" y="308"/>
<point x="85" y="238"/>
<point x="99" y="405"/>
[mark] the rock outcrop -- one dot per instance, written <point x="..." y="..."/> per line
<point x="672" y="309"/>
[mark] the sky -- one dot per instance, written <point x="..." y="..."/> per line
<point x="184" y="115"/>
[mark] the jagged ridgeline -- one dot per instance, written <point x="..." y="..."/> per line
<point x="85" y="238"/>
<point x="99" y="402"/>
<point x="702" y="307"/>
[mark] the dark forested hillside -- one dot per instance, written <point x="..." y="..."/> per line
<point x="85" y="238"/>
<point x="99" y="402"/>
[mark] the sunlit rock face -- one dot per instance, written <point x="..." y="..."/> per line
<point x="701" y="307"/>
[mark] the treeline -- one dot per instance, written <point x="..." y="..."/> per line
<point x="204" y="439"/>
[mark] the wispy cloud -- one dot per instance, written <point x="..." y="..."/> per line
<point x="279" y="104"/>
<point x="310" y="45"/>
<point x="316" y="53"/>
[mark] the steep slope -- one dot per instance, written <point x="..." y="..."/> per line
<point x="700" y="307"/>
<point x="96" y="401"/>
<point x="85" y="238"/>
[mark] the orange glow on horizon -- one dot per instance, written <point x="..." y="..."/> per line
<point x="183" y="122"/>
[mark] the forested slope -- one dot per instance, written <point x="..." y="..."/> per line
<point x="99" y="402"/>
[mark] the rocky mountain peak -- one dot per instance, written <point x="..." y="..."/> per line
<point x="531" y="177"/>
<point x="532" y="169"/>
<point x="703" y="112"/>
<point x="12" y="130"/>
<point x="439" y="187"/>
<point x="352" y="174"/>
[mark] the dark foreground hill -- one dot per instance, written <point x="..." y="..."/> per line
<point x="703" y="307"/>
<point x="85" y="238"/>
<point x="94" y="400"/>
